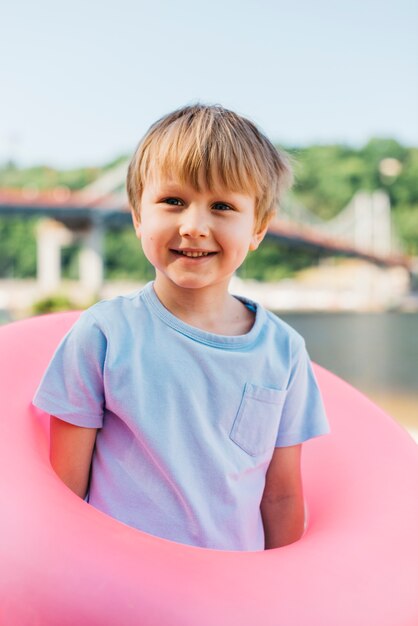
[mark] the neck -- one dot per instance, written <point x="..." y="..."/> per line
<point x="212" y="309"/>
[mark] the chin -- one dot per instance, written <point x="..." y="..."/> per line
<point x="191" y="284"/>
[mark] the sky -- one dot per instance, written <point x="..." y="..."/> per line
<point x="81" y="81"/>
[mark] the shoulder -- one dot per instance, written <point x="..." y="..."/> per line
<point x="272" y="323"/>
<point x="113" y="314"/>
<point x="284" y="328"/>
<point x="285" y="337"/>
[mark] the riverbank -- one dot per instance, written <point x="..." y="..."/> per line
<point x="334" y="285"/>
<point x="337" y="286"/>
<point x="403" y="406"/>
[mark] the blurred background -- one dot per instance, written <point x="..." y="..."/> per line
<point x="335" y="84"/>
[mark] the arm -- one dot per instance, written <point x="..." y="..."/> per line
<point x="71" y="450"/>
<point x="282" y="505"/>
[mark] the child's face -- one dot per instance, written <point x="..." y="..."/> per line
<point x="195" y="239"/>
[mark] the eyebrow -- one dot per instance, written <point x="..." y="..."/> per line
<point x="168" y="187"/>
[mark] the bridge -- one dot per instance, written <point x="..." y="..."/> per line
<point x="363" y="229"/>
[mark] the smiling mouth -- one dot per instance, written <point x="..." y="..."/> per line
<point x="193" y="254"/>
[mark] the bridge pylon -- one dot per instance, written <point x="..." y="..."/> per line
<point x="52" y="236"/>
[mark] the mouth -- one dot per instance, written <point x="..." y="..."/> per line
<point x="193" y="254"/>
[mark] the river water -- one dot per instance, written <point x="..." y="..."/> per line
<point x="376" y="352"/>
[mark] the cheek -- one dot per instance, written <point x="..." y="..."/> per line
<point x="239" y="251"/>
<point x="154" y="243"/>
<point x="145" y="239"/>
<point x="149" y="231"/>
<point x="147" y="243"/>
<point x="242" y="240"/>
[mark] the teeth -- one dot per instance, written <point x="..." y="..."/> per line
<point x="194" y="255"/>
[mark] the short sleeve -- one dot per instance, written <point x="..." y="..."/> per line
<point x="303" y="415"/>
<point x="72" y="386"/>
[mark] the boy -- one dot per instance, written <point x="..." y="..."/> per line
<point x="180" y="408"/>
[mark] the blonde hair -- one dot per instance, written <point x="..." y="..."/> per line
<point x="212" y="145"/>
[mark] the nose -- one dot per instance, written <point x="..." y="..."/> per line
<point x="194" y="223"/>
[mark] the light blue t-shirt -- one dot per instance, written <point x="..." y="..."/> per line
<point x="188" y="420"/>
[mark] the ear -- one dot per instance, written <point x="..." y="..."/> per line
<point x="257" y="238"/>
<point x="136" y="223"/>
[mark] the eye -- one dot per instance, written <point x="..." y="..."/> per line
<point x="221" y="206"/>
<point x="173" y="201"/>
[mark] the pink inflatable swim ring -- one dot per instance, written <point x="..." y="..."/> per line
<point x="63" y="563"/>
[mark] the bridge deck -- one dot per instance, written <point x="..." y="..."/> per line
<point x="76" y="209"/>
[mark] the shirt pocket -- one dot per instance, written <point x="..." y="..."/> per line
<point x="257" y="421"/>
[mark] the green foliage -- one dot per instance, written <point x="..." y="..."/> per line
<point x="327" y="177"/>
<point x="43" y="177"/>
<point x="18" y="247"/>
<point x="406" y="222"/>
<point x="403" y="190"/>
<point x="274" y="262"/>
<point x="69" y="261"/>
<point x="378" y="149"/>
<point x="124" y="256"/>
<point x="52" y="304"/>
